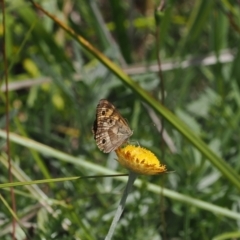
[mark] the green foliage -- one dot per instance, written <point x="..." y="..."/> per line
<point x="55" y="85"/>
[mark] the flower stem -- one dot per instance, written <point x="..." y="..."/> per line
<point x="131" y="178"/>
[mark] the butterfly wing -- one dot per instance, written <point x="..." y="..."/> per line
<point x="110" y="129"/>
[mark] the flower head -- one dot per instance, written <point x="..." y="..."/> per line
<point x="139" y="160"/>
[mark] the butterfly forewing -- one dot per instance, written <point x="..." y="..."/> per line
<point x="110" y="129"/>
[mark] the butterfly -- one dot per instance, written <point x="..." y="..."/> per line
<point x="110" y="129"/>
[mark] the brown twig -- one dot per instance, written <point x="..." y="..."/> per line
<point x="160" y="9"/>
<point x="7" y="118"/>
<point x="158" y="44"/>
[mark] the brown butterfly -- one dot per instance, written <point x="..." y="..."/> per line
<point x="110" y="129"/>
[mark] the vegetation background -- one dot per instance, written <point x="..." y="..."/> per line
<point x="55" y="84"/>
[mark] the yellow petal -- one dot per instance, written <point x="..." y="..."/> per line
<point x="140" y="160"/>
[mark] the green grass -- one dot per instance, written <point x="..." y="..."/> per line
<point x="86" y="60"/>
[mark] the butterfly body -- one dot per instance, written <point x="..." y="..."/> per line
<point x="110" y="129"/>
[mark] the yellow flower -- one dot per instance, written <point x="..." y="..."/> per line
<point x="139" y="160"/>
